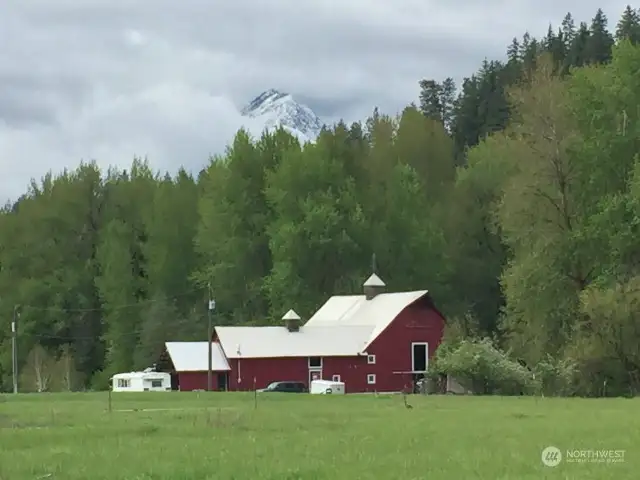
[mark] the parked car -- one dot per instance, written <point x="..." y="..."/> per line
<point x="285" y="387"/>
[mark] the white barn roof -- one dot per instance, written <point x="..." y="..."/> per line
<point x="309" y="341"/>
<point x="377" y="313"/>
<point x="192" y="356"/>
<point x="343" y="326"/>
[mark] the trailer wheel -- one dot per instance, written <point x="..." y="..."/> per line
<point x="328" y="391"/>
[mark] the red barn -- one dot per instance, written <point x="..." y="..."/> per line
<point x="372" y="342"/>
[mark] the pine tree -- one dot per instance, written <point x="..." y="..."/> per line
<point x="577" y="55"/>
<point x="513" y="52"/>
<point x="600" y="41"/>
<point x="447" y="101"/>
<point x="554" y="44"/>
<point x="629" y="26"/>
<point x="531" y="54"/>
<point x="568" y="28"/>
<point x="430" y="99"/>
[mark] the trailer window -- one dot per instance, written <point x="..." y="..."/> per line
<point x="124" y="383"/>
<point x="156" y="383"/>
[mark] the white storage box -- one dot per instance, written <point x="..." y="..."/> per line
<point x="325" y="387"/>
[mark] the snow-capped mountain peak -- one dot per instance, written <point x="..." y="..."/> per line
<point x="272" y="109"/>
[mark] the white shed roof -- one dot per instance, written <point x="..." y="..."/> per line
<point x="192" y="356"/>
<point x="377" y="313"/>
<point x="309" y="341"/>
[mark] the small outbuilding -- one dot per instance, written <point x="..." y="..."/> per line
<point x="186" y="363"/>
<point x="147" y="381"/>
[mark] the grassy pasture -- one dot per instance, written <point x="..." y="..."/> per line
<point x="221" y="436"/>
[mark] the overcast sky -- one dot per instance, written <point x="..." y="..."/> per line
<point x="110" y="79"/>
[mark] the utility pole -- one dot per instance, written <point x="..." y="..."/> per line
<point x="211" y="308"/>
<point x="14" y="348"/>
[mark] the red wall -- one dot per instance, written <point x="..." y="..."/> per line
<point x="196" y="381"/>
<point x="265" y="371"/>
<point x="419" y="322"/>
<point x="352" y="371"/>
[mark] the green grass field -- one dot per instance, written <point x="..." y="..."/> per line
<point x="222" y="436"/>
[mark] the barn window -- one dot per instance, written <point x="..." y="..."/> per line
<point x="335" y="378"/>
<point x="124" y="383"/>
<point x="315" y="362"/>
<point x="371" y="379"/>
<point x="156" y="383"/>
<point x="371" y="359"/>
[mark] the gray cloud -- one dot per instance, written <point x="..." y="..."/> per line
<point x="110" y="79"/>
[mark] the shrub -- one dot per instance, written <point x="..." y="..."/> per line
<point x="556" y="377"/>
<point x="481" y="367"/>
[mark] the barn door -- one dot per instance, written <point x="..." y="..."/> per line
<point x="222" y="382"/>
<point x="419" y="357"/>
<point x="315" y="374"/>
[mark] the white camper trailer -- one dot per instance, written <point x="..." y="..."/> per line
<point x="147" y="381"/>
<point x="325" y="387"/>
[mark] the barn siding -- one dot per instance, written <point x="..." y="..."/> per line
<point x="196" y="381"/>
<point x="265" y="371"/>
<point x="352" y="371"/>
<point x="419" y="322"/>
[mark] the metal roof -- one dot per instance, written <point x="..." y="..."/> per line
<point x="377" y="313"/>
<point x="343" y="326"/>
<point x="145" y="375"/>
<point x="192" y="356"/>
<point x="309" y="341"/>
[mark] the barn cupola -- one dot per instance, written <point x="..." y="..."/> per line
<point x="292" y="321"/>
<point x="373" y="287"/>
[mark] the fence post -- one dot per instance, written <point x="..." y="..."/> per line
<point x="255" y="394"/>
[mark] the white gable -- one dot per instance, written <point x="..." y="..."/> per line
<point x="192" y="356"/>
<point x="376" y="313"/>
<point x="309" y="341"/>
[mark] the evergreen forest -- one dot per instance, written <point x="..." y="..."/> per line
<point x="514" y="198"/>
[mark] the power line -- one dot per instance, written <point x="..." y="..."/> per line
<point x="111" y="308"/>
<point x="102" y="336"/>
<point x="73" y="337"/>
<point x="102" y="309"/>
